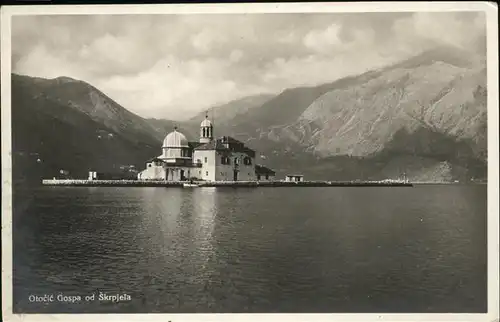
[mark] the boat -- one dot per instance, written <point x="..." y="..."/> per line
<point x="190" y="185"/>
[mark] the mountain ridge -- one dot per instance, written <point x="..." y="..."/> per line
<point x="53" y="132"/>
<point x="424" y="111"/>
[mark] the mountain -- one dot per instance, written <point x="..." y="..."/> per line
<point x="88" y="100"/>
<point x="220" y="114"/>
<point x="361" y="119"/>
<point x="424" y="116"/>
<point x="65" y="124"/>
<point x="430" y="105"/>
<point x="225" y="113"/>
<point x="439" y="78"/>
<point x="162" y="127"/>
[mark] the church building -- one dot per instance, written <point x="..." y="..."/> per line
<point x="209" y="159"/>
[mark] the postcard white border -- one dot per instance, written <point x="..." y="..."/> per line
<point x="489" y="8"/>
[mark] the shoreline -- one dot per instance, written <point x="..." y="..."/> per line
<point x="161" y="183"/>
<point x="239" y="184"/>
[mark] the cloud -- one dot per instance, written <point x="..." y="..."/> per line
<point x="174" y="87"/>
<point x="323" y="40"/>
<point x="460" y="30"/>
<point x="173" y="65"/>
<point x="40" y="61"/>
<point x="236" y="55"/>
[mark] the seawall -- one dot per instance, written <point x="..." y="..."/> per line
<point x="161" y="183"/>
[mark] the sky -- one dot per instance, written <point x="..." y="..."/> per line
<point x="173" y="66"/>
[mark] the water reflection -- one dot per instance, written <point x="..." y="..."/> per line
<point x="255" y="250"/>
<point x="205" y="211"/>
<point x="176" y="238"/>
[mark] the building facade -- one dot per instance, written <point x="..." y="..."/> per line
<point x="209" y="159"/>
<point x="264" y="173"/>
<point x="294" y="178"/>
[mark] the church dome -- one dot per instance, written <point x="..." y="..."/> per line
<point x="206" y="123"/>
<point x="175" y="140"/>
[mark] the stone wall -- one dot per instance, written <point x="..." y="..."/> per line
<point x="225" y="172"/>
<point x="152" y="171"/>
<point x="208" y="161"/>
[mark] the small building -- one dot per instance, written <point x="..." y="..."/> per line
<point x="112" y="175"/>
<point x="294" y="178"/>
<point x="64" y="174"/>
<point x="93" y="175"/>
<point x="264" y="173"/>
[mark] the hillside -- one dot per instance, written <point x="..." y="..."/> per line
<point x="225" y="113"/>
<point x="162" y="127"/>
<point x="361" y="119"/>
<point x="436" y="101"/>
<point x="63" y="124"/>
<point x="425" y="116"/>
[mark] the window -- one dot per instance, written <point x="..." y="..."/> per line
<point x="206" y="173"/>
<point x="267" y="177"/>
<point x="225" y="160"/>
<point x="247" y="161"/>
<point x="198" y="161"/>
<point x="206" y="159"/>
<point x="149" y="165"/>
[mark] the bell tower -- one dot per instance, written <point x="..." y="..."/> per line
<point x="206" y="130"/>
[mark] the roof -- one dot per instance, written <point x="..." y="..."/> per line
<point x="206" y="123"/>
<point x="294" y="175"/>
<point x="226" y="143"/>
<point x="237" y="146"/>
<point x="260" y="169"/>
<point x="175" y="140"/>
<point x="155" y="159"/>
<point x="231" y="140"/>
<point x="194" y="144"/>
<point x="212" y="145"/>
